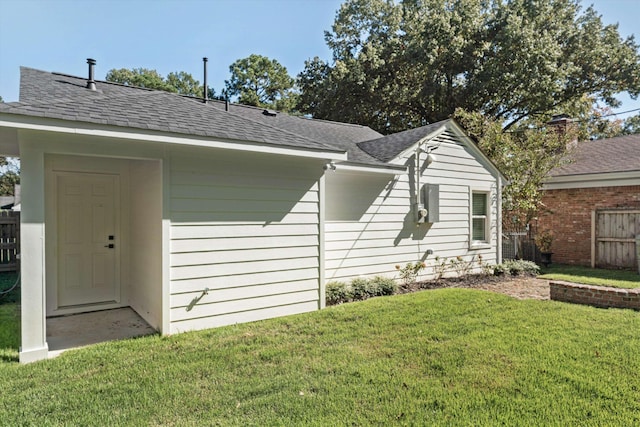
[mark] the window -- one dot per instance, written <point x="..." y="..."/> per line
<point x="479" y="217"/>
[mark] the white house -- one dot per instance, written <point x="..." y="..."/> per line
<point x="199" y="214"/>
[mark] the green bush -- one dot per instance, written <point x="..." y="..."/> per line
<point x="337" y="292"/>
<point x="517" y="268"/>
<point x="380" y="286"/>
<point x="360" y="289"/>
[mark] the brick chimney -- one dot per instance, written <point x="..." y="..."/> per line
<point x="563" y="124"/>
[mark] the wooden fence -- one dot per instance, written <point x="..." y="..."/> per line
<point x="613" y="238"/>
<point x="9" y="240"/>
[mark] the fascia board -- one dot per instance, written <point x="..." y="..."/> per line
<point x="607" y="179"/>
<point x="106" y="131"/>
<point x="407" y="152"/>
<point x="352" y="168"/>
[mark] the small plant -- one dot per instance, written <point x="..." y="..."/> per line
<point x="460" y="266"/>
<point x="485" y="268"/>
<point x="409" y="273"/>
<point x="360" y="289"/>
<point x="337" y="292"/>
<point x="440" y="267"/>
<point x="544" y="240"/>
<point x="516" y="268"/>
<point x="381" y="286"/>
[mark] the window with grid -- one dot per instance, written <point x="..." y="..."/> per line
<point x="479" y="215"/>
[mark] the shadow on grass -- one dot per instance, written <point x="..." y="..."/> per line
<point x="9" y="318"/>
<point x="10" y="332"/>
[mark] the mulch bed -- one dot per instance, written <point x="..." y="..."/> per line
<point x="521" y="287"/>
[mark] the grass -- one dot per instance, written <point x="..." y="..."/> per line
<point x="592" y="276"/>
<point x="7" y="280"/>
<point x="443" y="357"/>
<point x="9" y="332"/>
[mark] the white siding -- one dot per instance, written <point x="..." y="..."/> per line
<point x="370" y="226"/>
<point x="245" y="227"/>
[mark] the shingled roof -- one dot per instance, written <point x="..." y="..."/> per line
<point x="59" y="96"/>
<point x="620" y="154"/>
<point x="344" y="136"/>
<point x="388" y="147"/>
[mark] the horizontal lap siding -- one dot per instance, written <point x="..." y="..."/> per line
<point x="366" y="240"/>
<point x="244" y="239"/>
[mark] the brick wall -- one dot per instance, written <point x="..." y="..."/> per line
<point x="598" y="296"/>
<point x="568" y="213"/>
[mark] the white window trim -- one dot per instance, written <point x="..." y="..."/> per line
<point x="480" y="244"/>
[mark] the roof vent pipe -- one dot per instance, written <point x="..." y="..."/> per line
<point x="205" y="89"/>
<point x="91" y="83"/>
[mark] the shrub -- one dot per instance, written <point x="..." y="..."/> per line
<point x="360" y="289"/>
<point x="460" y="266"/>
<point x="409" y="273"/>
<point x="517" y="268"/>
<point x="440" y="267"/>
<point x="380" y="286"/>
<point x="337" y="293"/>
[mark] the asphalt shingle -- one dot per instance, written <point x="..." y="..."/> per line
<point x="388" y="147"/>
<point x="620" y="154"/>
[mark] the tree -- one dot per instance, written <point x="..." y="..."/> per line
<point x="261" y="82"/>
<point x="631" y="125"/>
<point x="402" y="64"/>
<point x="176" y="82"/>
<point x="524" y="157"/>
<point x="9" y="175"/>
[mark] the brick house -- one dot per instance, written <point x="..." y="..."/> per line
<point x="603" y="176"/>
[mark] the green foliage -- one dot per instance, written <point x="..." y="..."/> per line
<point x="176" y="82"/>
<point x="544" y="240"/>
<point x="409" y="273"/>
<point x="261" y="82"/>
<point x="400" y="65"/>
<point x="443" y="357"/>
<point x="9" y="332"/>
<point x="461" y="266"/>
<point x="382" y="286"/>
<point x="631" y="125"/>
<point x="524" y="156"/>
<point x="9" y="175"/>
<point x="517" y="268"/>
<point x="359" y="289"/>
<point x="337" y="292"/>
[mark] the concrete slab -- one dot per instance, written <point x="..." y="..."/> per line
<point x="80" y="330"/>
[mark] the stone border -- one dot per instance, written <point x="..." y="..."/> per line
<point x="597" y="296"/>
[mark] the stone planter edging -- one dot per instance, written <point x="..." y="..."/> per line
<point x="597" y="296"/>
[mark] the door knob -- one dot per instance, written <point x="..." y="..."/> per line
<point x="110" y="246"/>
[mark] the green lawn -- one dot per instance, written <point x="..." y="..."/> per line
<point x="592" y="276"/>
<point x="442" y="357"/>
<point x="7" y="281"/>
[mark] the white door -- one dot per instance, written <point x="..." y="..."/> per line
<point x="88" y="222"/>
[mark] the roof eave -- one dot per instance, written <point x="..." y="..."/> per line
<point x="18" y="121"/>
<point x="591" y="180"/>
<point x="366" y="168"/>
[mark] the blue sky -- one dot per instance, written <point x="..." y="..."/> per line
<point x="174" y="35"/>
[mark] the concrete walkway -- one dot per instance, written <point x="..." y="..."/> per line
<point x="79" y="330"/>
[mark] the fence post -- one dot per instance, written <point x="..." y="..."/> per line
<point x="638" y="251"/>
